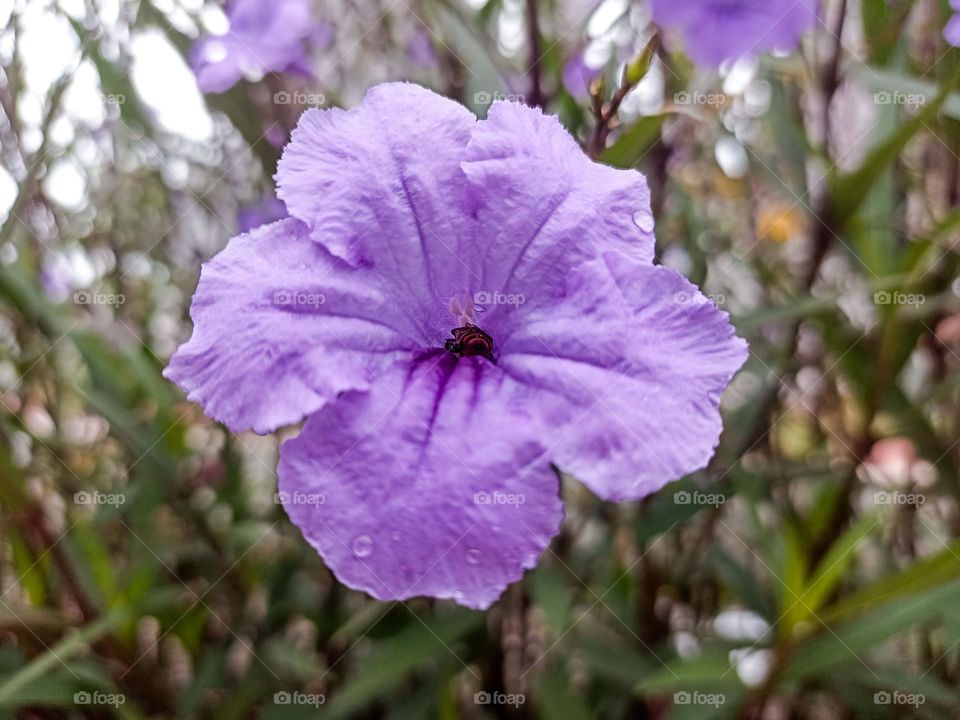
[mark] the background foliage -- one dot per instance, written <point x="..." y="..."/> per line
<point x="812" y="571"/>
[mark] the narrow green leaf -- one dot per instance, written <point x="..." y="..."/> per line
<point x="393" y="659"/>
<point x="557" y="700"/>
<point x="847" y="643"/>
<point x="834" y="564"/>
<point x="68" y="647"/>
<point x="924" y="575"/>
<point x="848" y="190"/>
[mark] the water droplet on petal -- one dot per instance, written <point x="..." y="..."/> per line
<point x="473" y="556"/>
<point x="362" y="546"/>
<point x="643" y="220"/>
<point x="395" y="537"/>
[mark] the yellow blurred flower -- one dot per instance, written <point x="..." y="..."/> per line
<point x="777" y="221"/>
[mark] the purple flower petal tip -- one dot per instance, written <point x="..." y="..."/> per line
<point x="951" y="32"/>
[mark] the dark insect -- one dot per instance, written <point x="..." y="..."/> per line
<point x="470" y="340"/>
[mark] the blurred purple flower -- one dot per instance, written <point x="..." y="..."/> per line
<point x="265" y="36"/>
<point x="952" y="31"/>
<point x="268" y="210"/>
<point x="55" y="277"/>
<point x="421" y="50"/>
<point x="425" y="463"/>
<point x="577" y="76"/>
<point x="718" y="30"/>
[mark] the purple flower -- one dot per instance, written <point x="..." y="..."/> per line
<point x="952" y="31"/>
<point x="577" y="76"/>
<point x="716" y="30"/>
<point x="55" y="276"/>
<point x="265" y="36"/>
<point x="455" y="306"/>
<point x="421" y="51"/>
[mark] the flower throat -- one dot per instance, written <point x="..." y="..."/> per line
<point x="468" y="339"/>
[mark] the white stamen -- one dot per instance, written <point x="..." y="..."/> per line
<point x="462" y="310"/>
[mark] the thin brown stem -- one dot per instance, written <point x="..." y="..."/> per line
<point x="536" y="98"/>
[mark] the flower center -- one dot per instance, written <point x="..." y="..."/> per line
<point x="468" y="339"/>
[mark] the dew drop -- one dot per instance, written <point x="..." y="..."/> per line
<point x="362" y="546"/>
<point x="473" y="556"/>
<point x="643" y="220"/>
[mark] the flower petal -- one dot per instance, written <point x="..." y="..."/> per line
<point x="713" y="32"/>
<point x="952" y="30"/>
<point x="264" y="36"/>
<point x="635" y="359"/>
<point x="217" y="62"/>
<point x="381" y="185"/>
<point x="280" y="327"/>
<point x="545" y="207"/>
<point x="432" y="483"/>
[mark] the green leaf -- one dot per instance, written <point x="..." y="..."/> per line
<point x="847" y="642"/>
<point x="879" y="79"/>
<point x="832" y="568"/>
<point x="30" y="570"/>
<point x="392" y="659"/>
<point x="710" y="672"/>
<point x="889" y="678"/>
<point x="739" y="580"/>
<point x="467" y="42"/>
<point x="793" y="578"/>
<point x="924" y="575"/>
<point x="849" y="190"/>
<point x="549" y="590"/>
<point x="667" y="509"/>
<point x="614" y="662"/>
<point x="556" y="699"/>
<point x="73" y="644"/>
<point x="634" y="142"/>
